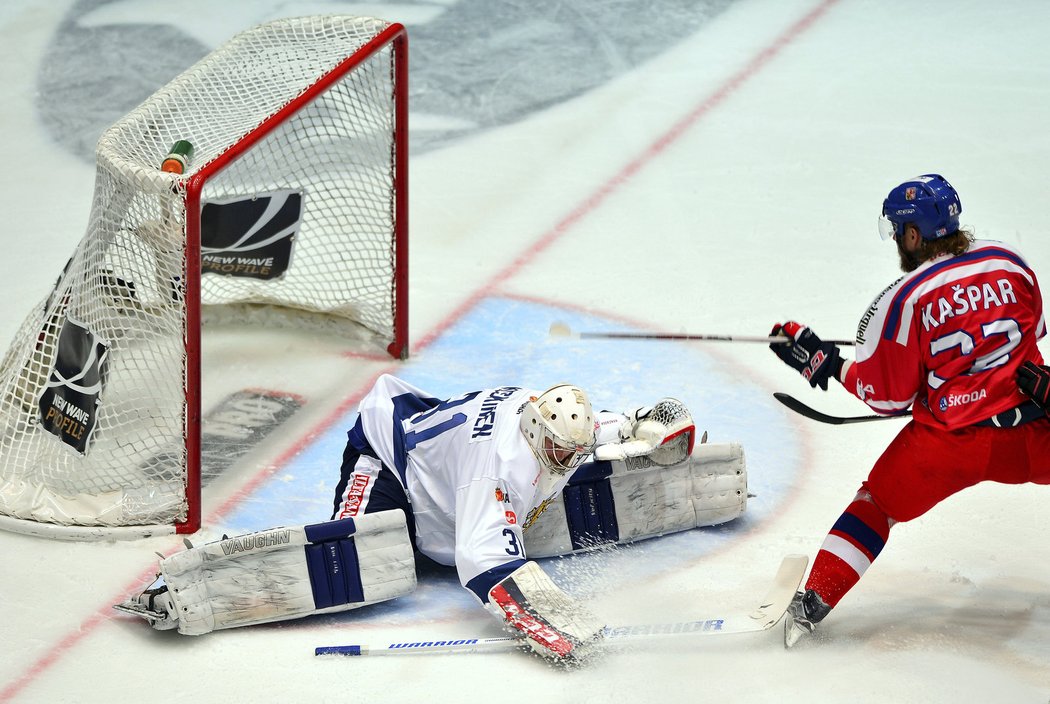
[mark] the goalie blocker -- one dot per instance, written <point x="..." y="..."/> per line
<point x="552" y="623"/>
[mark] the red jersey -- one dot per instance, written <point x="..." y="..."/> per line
<point x="947" y="338"/>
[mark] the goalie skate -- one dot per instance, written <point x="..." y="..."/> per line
<point x="153" y="604"/>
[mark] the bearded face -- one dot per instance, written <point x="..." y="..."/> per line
<point x="909" y="260"/>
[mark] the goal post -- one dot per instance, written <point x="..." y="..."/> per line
<point x="286" y="205"/>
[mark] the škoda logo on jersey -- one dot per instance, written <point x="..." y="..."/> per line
<point x="953" y="400"/>
<point x="70" y="402"/>
<point x="250" y="236"/>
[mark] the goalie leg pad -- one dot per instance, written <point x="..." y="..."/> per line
<point x="590" y="511"/>
<point x="634" y="499"/>
<point x="284" y="573"/>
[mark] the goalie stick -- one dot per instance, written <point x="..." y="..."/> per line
<point x="563" y="330"/>
<point x="813" y="414"/>
<point x="764" y="616"/>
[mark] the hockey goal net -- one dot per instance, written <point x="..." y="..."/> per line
<point x="292" y="206"/>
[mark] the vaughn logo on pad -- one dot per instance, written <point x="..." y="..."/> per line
<point x="250" y="236"/>
<point x="69" y="404"/>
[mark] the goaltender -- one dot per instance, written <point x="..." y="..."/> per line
<point x="483" y="481"/>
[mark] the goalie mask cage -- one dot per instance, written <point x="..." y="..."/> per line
<point x="293" y="206"/>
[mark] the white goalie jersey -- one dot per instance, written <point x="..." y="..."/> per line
<point x="472" y="479"/>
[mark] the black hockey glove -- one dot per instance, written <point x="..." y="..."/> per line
<point x="817" y="361"/>
<point x="1034" y="381"/>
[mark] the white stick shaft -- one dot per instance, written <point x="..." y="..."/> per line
<point x="563" y="330"/>
<point x="768" y="612"/>
<point x="462" y="645"/>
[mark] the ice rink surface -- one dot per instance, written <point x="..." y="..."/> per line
<point x="666" y="166"/>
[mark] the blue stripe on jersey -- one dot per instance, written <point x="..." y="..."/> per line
<point x="356" y="439"/>
<point x="889" y="332"/>
<point x="406" y="406"/>
<point x="854" y="527"/>
<point x="484" y="582"/>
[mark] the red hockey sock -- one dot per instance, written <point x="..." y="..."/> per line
<point x="854" y="542"/>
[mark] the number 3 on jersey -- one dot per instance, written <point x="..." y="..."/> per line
<point x="514" y="549"/>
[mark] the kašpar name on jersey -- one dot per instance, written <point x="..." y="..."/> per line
<point x="250" y="542"/>
<point x="967" y="299"/>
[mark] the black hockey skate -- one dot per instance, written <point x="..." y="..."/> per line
<point x="806" y="610"/>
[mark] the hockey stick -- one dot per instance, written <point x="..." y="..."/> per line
<point x="562" y="330"/>
<point x="813" y="414"/>
<point x="763" y="617"/>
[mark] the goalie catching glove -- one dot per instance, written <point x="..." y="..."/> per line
<point x="553" y="624"/>
<point x="817" y="361"/>
<point x="665" y="432"/>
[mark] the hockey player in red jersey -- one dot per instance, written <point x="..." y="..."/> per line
<point x="950" y="340"/>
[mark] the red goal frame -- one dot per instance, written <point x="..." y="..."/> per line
<point x="394" y="35"/>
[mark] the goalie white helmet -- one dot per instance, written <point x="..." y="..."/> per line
<point x="559" y="427"/>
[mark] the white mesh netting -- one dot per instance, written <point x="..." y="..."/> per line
<point x="92" y="390"/>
